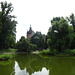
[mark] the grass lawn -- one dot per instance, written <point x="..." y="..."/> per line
<point x="7" y="54"/>
<point x="46" y="52"/>
<point x="8" y="50"/>
<point x="67" y="52"/>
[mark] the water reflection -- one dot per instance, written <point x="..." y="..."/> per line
<point x="7" y="67"/>
<point x="44" y="71"/>
<point x="33" y="64"/>
<point x="53" y="65"/>
<point x="27" y="64"/>
<point x="18" y="71"/>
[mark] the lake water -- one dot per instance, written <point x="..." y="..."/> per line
<point x="27" y="64"/>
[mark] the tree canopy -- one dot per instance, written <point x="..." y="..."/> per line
<point x="58" y="35"/>
<point x="38" y="39"/>
<point x="71" y="19"/>
<point x="23" y="45"/>
<point x="7" y="26"/>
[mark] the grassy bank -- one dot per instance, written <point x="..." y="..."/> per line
<point x="45" y="52"/>
<point x="8" y="50"/>
<point x="67" y="52"/>
<point x="7" y="54"/>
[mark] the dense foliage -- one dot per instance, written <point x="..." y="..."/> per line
<point x="23" y="45"/>
<point x="7" y="26"/>
<point x="38" y="40"/>
<point x="61" y="35"/>
<point x="71" y="20"/>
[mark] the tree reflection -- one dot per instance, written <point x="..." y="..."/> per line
<point x="7" y="67"/>
<point x="55" y="65"/>
<point x="32" y="63"/>
<point x="28" y="64"/>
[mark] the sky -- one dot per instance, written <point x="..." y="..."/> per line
<point x="39" y="13"/>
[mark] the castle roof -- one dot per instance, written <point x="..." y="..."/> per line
<point x="30" y="30"/>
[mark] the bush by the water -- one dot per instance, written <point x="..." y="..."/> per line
<point x="6" y="56"/>
<point x="45" y="52"/>
<point x="73" y="52"/>
<point x="23" y="45"/>
<point x="10" y="50"/>
<point x="69" y="51"/>
<point x="48" y="52"/>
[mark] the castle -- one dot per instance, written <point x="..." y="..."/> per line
<point x="30" y="33"/>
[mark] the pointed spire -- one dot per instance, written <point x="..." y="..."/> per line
<point x="30" y="25"/>
<point x="30" y="28"/>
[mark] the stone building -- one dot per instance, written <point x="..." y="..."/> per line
<point x="30" y="33"/>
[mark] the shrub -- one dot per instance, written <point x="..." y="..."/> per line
<point x="48" y="52"/>
<point x="33" y="47"/>
<point x="67" y="51"/>
<point x="6" y="56"/>
<point x="23" y="45"/>
<point x="45" y="52"/>
<point x="73" y="52"/>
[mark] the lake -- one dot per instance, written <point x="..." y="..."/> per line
<point x="29" y="64"/>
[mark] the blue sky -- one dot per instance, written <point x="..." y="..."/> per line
<point x="39" y="13"/>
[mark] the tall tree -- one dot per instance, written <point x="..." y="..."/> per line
<point x="23" y="45"/>
<point x="71" y="19"/>
<point x="58" y="35"/>
<point x="38" y="40"/>
<point x="7" y="26"/>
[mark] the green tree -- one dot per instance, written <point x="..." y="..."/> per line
<point x="7" y="26"/>
<point x="38" y="40"/>
<point x="72" y="40"/>
<point x="71" y="19"/>
<point x="45" y="42"/>
<point x="58" y="35"/>
<point x="23" y="45"/>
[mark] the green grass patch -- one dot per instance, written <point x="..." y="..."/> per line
<point x="45" y="52"/>
<point x="48" y="52"/>
<point x="67" y="52"/>
<point x="8" y="50"/>
<point x="6" y="56"/>
<point x="73" y="52"/>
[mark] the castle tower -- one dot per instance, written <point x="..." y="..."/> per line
<point x="30" y="33"/>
